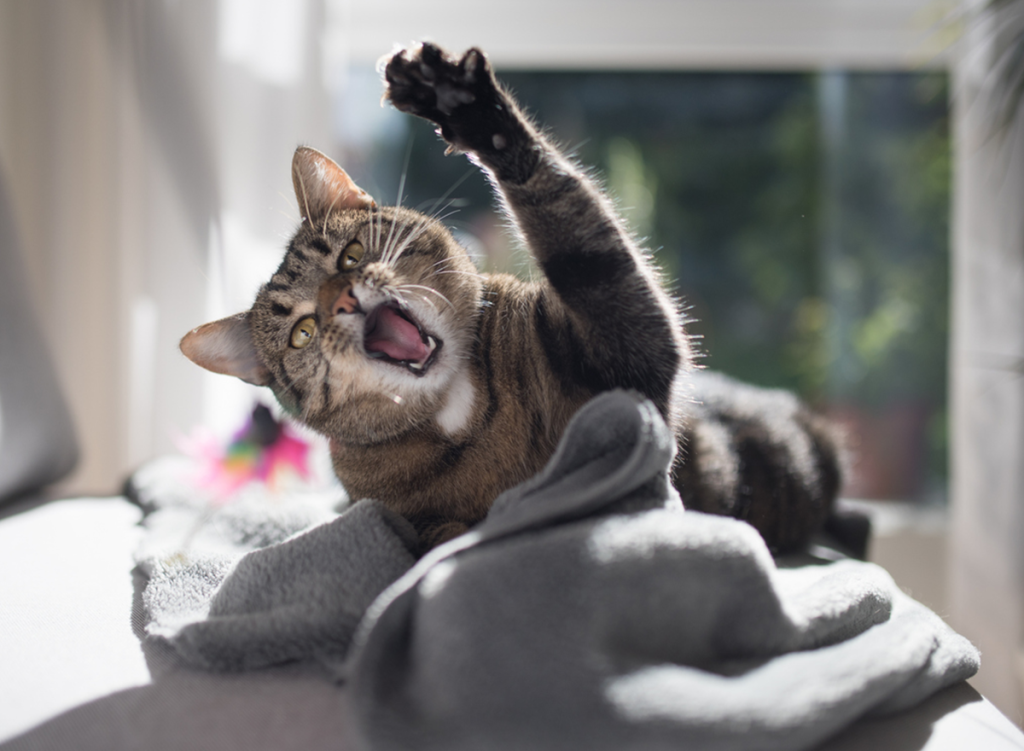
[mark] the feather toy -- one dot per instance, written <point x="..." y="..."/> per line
<point x="263" y="450"/>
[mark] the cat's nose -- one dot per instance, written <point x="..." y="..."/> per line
<point x="337" y="297"/>
<point x="346" y="303"/>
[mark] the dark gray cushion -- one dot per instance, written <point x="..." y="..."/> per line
<point x="37" y="438"/>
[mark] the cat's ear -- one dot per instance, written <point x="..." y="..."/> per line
<point x="226" y="347"/>
<point x="321" y="186"/>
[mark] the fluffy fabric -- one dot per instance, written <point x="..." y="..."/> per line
<point x="588" y="611"/>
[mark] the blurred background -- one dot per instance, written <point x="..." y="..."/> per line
<point x="833" y="186"/>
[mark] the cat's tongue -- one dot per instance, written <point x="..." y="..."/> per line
<point x="391" y="334"/>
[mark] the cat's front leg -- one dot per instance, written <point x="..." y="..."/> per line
<point x="463" y="98"/>
<point x="604" y="322"/>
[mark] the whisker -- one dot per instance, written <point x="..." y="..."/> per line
<point x="305" y="195"/>
<point x="413" y="235"/>
<point x="418" y="229"/>
<point x="423" y="297"/>
<point x="435" y="213"/>
<point x="375" y="233"/>
<point x="440" y="218"/>
<point x="288" y="202"/>
<point x="435" y="264"/>
<point x="436" y="271"/>
<point x="402" y="240"/>
<point x="428" y="289"/>
<point x="394" y="293"/>
<point x="290" y="387"/>
<point x="450" y="190"/>
<point x="390" y="247"/>
<point x="328" y="215"/>
<point x="459" y="271"/>
<point x="385" y="257"/>
<point x="401" y="190"/>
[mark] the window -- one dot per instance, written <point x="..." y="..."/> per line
<point x="802" y="218"/>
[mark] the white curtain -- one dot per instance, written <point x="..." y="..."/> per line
<point x="148" y="149"/>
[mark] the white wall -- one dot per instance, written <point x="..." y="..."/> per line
<point x="715" y="34"/>
<point x="145" y="143"/>
<point x="987" y="379"/>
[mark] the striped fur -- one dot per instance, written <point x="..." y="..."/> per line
<point x="514" y="360"/>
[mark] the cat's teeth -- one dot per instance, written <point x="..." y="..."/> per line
<point x="431" y="343"/>
<point x="416" y="365"/>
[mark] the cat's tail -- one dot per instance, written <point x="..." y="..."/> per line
<point x="759" y="455"/>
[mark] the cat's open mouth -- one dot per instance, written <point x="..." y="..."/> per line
<point x="393" y="335"/>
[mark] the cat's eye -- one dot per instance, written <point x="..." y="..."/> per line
<point x="351" y="256"/>
<point x="303" y="332"/>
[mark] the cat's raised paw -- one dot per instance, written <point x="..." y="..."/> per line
<point x="471" y="110"/>
<point x="428" y="82"/>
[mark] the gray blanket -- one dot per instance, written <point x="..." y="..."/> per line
<point x="587" y="611"/>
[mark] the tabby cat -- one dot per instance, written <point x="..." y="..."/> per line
<point x="440" y="387"/>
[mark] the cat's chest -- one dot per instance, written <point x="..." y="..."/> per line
<point x="427" y="473"/>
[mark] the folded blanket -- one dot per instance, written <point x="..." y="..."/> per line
<point x="587" y="611"/>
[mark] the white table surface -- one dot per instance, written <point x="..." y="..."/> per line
<point x="73" y="674"/>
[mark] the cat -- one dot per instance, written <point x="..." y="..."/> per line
<point x="440" y="387"/>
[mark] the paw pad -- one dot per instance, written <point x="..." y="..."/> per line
<point x="470" y="63"/>
<point x="449" y="97"/>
